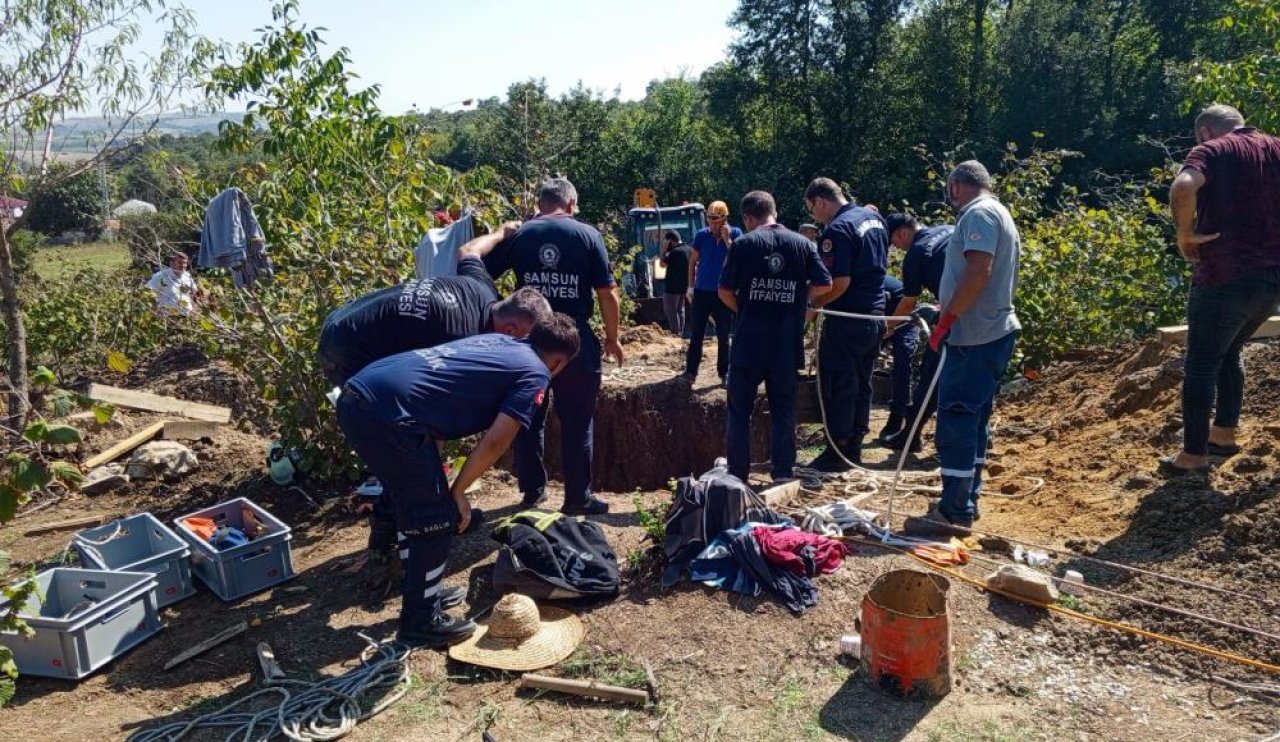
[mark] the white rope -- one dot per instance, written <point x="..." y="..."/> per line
<point x="307" y="711"/>
<point x="852" y="315"/>
<point x="915" y="424"/>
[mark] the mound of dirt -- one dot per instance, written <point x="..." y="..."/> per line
<point x="185" y="372"/>
<point x="1093" y="429"/>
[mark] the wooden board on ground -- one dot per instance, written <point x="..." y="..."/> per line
<point x="781" y="495"/>
<point x="125" y="446"/>
<point x="204" y="646"/>
<point x="63" y="525"/>
<point x="1177" y="334"/>
<point x="585" y="688"/>
<point x="159" y="403"/>
<point x="189" y="430"/>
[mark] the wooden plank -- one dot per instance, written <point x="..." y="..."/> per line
<point x="159" y="403"/>
<point x="189" y="430"/>
<point x="125" y="446"/>
<point x="63" y="525"/>
<point x="781" y="495"/>
<point x="204" y="646"/>
<point x="1177" y="334"/>
<point x="585" y="688"/>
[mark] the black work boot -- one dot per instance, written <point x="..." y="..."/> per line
<point x="590" y="506"/>
<point x="899" y="439"/>
<point x="380" y="577"/>
<point x="441" y="630"/>
<point x="890" y="428"/>
<point x="533" y="499"/>
<point x="829" y="460"/>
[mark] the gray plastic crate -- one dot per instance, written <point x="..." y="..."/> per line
<point x="82" y="620"/>
<point x="242" y="570"/>
<point x="140" y="543"/>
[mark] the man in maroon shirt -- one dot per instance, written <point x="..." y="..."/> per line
<point x="1226" y="205"/>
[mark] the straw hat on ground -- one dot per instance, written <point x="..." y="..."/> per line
<point x="521" y="636"/>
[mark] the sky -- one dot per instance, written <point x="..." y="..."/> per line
<point x="433" y="54"/>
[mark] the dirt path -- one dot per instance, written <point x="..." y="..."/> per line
<point x="733" y="668"/>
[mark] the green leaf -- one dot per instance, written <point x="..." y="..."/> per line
<point x="43" y="377"/>
<point x="102" y="412"/>
<point x="63" y="404"/>
<point x="29" y="474"/>
<point x="10" y="500"/>
<point x="61" y="435"/>
<point x="66" y="472"/>
<point x="36" y="432"/>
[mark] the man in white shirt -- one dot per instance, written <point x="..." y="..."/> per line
<point x="174" y="287"/>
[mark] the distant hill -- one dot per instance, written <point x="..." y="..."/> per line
<point x="83" y="133"/>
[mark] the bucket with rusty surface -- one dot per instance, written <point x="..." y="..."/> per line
<point x="906" y="634"/>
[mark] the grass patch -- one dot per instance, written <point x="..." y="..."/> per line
<point x="57" y="263"/>
<point x="788" y="711"/>
<point x="611" y="669"/>
<point x="425" y="699"/>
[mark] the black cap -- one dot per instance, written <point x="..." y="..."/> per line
<point x="897" y="220"/>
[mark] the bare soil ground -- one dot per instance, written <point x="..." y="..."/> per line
<point x="734" y="668"/>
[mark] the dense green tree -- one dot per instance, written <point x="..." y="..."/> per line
<point x="1248" y="76"/>
<point x="72" y="204"/>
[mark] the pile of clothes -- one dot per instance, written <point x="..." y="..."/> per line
<point x="726" y="536"/>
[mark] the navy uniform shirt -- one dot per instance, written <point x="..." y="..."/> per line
<point x="770" y="270"/>
<point x="565" y="260"/>
<point x="457" y="389"/>
<point x="925" y="261"/>
<point x="415" y="314"/>
<point x="856" y="245"/>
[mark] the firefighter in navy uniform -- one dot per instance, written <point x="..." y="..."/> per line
<point x="566" y="261"/>
<point x="854" y="246"/>
<point x="394" y="411"/>
<point x="769" y="277"/>
<point x="410" y="316"/>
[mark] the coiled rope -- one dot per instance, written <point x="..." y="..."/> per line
<point x="303" y="710"/>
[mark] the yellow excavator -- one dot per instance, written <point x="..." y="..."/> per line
<point x="646" y="223"/>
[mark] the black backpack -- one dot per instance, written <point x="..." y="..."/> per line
<point x="703" y="508"/>
<point x="551" y="556"/>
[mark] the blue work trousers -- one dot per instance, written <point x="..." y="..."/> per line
<point x="966" y="393"/>
<point x="414" y="486"/>
<point x="779" y="380"/>
<point x="574" y="392"/>
<point x="905" y="342"/>
<point x="846" y="357"/>
<point x="1220" y="320"/>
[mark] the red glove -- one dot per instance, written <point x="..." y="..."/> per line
<point x="940" y="331"/>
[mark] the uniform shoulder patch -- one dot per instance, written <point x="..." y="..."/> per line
<point x="827" y="246"/>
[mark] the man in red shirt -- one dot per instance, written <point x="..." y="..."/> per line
<point x="1226" y="206"/>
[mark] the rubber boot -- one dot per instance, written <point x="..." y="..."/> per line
<point x="891" y="428"/>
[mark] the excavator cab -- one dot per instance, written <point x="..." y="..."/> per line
<point x="646" y="223"/>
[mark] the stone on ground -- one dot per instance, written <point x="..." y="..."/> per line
<point x="162" y="460"/>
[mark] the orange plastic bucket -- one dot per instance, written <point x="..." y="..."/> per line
<point x="906" y="634"/>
